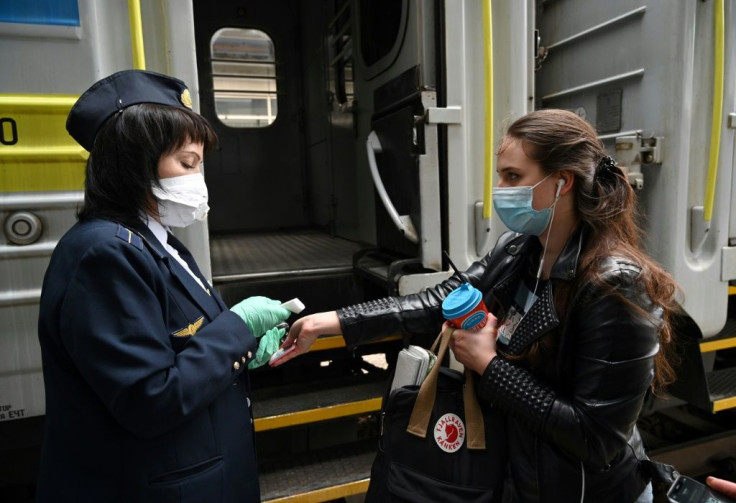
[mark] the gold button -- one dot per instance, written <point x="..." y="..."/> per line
<point x="250" y="355"/>
<point x="236" y="365"/>
<point x="243" y="360"/>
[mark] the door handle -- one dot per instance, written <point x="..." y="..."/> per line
<point x="402" y="222"/>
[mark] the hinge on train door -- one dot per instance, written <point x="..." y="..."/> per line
<point x="633" y="151"/>
<point x="732" y="120"/>
<point x="437" y="115"/>
<point x="445" y="115"/>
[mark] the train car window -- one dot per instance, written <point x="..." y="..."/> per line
<point x="380" y="25"/>
<point x="244" y="77"/>
<point x="58" y="12"/>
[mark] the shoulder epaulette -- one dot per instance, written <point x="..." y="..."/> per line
<point x="131" y="237"/>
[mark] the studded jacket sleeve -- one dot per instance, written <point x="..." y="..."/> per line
<point x="608" y="348"/>
<point x="419" y="313"/>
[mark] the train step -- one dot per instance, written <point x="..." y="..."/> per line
<point x="722" y="389"/>
<point x="318" y="475"/>
<point x="317" y="431"/>
<point x="707" y="370"/>
<point x="291" y="405"/>
<point x="721" y="380"/>
<point x="725" y="339"/>
<point x="309" y="264"/>
<point x="383" y="268"/>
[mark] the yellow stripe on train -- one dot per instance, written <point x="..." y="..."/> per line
<point x="36" y="152"/>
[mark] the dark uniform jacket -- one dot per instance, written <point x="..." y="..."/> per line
<point x="571" y="420"/>
<point x="147" y="394"/>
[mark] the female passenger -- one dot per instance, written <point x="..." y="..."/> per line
<point x="147" y="394"/>
<point x="580" y="324"/>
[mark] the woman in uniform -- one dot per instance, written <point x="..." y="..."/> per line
<point x="145" y="368"/>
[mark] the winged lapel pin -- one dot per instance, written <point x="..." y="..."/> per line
<point x="191" y="329"/>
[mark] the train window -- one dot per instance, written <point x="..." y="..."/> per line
<point x="244" y="77"/>
<point x="380" y="26"/>
<point x="58" y="12"/>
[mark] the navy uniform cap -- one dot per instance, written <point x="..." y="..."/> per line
<point x="118" y="91"/>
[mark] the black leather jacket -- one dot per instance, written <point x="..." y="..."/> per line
<point x="571" y="420"/>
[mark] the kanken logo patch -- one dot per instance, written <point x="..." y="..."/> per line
<point x="449" y="432"/>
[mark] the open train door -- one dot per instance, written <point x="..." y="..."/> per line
<point x="427" y="84"/>
<point x="256" y="174"/>
<point x="396" y="64"/>
<point x="372" y="140"/>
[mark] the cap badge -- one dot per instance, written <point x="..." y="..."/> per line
<point x="186" y="99"/>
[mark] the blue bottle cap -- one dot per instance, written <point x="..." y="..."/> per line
<point x="460" y="301"/>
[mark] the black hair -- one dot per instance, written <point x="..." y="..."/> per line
<point x="123" y="164"/>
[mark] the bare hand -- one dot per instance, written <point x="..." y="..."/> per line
<point x="305" y="330"/>
<point x="475" y="350"/>
<point x="722" y="486"/>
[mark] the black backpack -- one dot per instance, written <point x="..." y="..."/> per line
<point x="438" y="444"/>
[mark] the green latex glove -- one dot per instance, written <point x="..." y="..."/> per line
<point x="267" y="346"/>
<point x="260" y="313"/>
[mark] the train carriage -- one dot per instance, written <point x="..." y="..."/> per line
<point x="356" y="145"/>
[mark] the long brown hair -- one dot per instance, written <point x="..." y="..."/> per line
<point x="604" y="200"/>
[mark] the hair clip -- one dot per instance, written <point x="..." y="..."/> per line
<point x="607" y="167"/>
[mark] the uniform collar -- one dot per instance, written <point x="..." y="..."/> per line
<point x="203" y="299"/>
<point x="152" y="241"/>
<point x="159" y="231"/>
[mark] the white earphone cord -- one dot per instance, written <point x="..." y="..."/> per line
<point x="560" y="183"/>
<point x="546" y="242"/>
<point x="536" y="285"/>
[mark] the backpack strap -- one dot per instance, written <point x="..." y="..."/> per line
<point x="422" y="411"/>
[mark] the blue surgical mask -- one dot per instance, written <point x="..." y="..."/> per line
<point x="514" y="208"/>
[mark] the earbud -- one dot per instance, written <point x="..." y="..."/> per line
<point x="560" y="183"/>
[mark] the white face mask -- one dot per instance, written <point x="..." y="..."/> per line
<point x="182" y="200"/>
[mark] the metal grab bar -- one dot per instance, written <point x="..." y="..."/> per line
<point x="488" y="74"/>
<point x="41" y="201"/>
<point x="136" y="34"/>
<point x="717" y="114"/>
<point x="701" y="215"/>
<point x="402" y="222"/>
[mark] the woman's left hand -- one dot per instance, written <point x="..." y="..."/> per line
<point x="305" y="331"/>
<point x="475" y="350"/>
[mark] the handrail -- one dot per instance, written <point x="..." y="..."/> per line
<point x="51" y="102"/>
<point x="606" y="24"/>
<point x="717" y="116"/>
<point x="15" y="298"/>
<point x="60" y="153"/>
<point x="402" y="222"/>
<point x="136" y="34"/>
<point x="42" y="201"/>
<point x="488" y="74"/>
<point x="638" y="73"/>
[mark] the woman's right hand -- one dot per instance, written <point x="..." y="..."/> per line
<point x="305" y="330"/>
<point x="724" y="487"/>
<point x="475" y="349"/>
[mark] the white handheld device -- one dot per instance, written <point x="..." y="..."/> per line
<point x="296" y="306"/>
